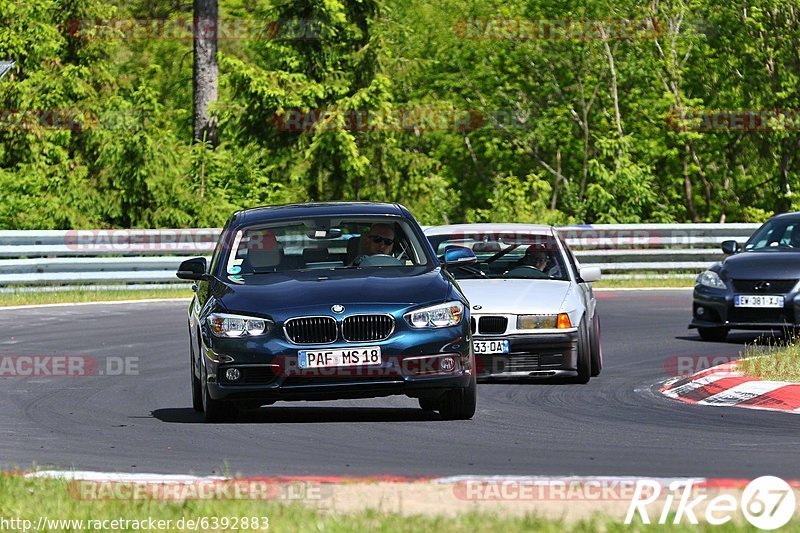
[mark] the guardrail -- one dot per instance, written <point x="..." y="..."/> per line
<point x="153" y="256"/>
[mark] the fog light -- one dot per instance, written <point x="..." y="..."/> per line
<point x="233" y="374"/>
<point x="447" y="364"/>
<point x="700" y="311"/>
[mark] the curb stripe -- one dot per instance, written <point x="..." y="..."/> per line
<point x="723" y="385"/>
<point x="745" y="391"/>
<point x="687" y="388"/>
<point x="785" y="397"/>
<point x="126" y="477"/>
<point x="533" y="480"/>
<point x="714" y="388"/>
<point x="729" y="368"/>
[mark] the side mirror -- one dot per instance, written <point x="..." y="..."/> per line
<point x="459" y="256"/>
<point x="730" y="247"/>
<point x="194" y="269"/>
<point x="590" y="274"/>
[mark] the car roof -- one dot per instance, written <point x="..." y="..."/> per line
<point x="531" y="229"/>
<point x="317" y="209"/>
<point x="795" y="214"/>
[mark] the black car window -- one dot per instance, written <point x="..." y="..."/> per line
<point x="778" y="234"/>
<point x="310" y="244"/>
<point x="507" y="255"/>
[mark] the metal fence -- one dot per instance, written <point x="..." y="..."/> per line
<point x="152" y="256"/>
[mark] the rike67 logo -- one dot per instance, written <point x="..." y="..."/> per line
<point x="767" y="503"/>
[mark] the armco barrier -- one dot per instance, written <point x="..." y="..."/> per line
<point x="152" y="256"/>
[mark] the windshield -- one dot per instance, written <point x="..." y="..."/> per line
<point x="779" y="235"/>
<point x="507" y="256"/>
<point x="317" y="243"/>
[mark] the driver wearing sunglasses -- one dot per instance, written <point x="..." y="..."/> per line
<point x="379" y="240"/>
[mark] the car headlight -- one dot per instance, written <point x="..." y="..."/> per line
<point x="437" y="316"/>
<point x="559" y="321"/>
<point x="226" y="325"/>
<point x="709" y="278"/>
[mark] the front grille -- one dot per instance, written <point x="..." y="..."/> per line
<point x="359" y="328"/>
<point x="761" y="315"/>
<point x="311" y="330"/>
<point x="775" y="286"/>
<point x="492" y="324"/>
<point x="521" y="363"/>
<point x="497" y="364"/>
<point x="472" y="325"/>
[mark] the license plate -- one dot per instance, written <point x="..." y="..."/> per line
<point x="490" y="346"/>
<point x="370" y="355"/>
<point x="742" y="300"/>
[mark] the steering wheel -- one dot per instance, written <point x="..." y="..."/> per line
<point x="472" y="269"/>
<point x="379" y="260"/>
<point x="554" y="272"/>
<point x="526" y="271"/>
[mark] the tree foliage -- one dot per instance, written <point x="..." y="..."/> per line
<point x="448" y="107"/>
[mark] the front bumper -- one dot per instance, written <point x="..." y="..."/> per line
<point x="410" y="366"/>
<point x="718" y="310"/>
<point x="531" y="356"/>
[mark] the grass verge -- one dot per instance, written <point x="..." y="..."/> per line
<point x="644" y="283"/>
<point x="772" y="362"/>
<point x="41" y="502"/>
<point x="89" y="295"/>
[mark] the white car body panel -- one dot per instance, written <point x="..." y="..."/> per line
<point x="510" y="297"/>
<point x="522" y="297"/>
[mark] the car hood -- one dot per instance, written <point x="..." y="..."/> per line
<point x="512" y="296"/>
<point x="320" y="289"/>
<point x="763" y="265"/>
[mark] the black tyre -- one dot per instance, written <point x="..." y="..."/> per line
<point x="596" y="348"/>
<point x="429" y="404"/>
<point x="713" y="334"/>
<point x="460" y="404"/>
<point x="584" y="356"/>
<point x="216" y="410"/>
<point x="197" y="388"/>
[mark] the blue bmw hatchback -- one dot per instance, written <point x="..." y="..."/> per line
<point x="328" y="301"/>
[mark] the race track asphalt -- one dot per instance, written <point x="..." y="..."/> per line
<point x="618" y="424"/>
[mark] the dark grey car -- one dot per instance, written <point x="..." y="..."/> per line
<point x="756" y="287"/>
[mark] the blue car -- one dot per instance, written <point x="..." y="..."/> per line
<point x="328" y="301"/>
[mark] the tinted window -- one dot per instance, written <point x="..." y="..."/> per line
<point x="779" y="234"/>
<point x="324" y="244"/>
<point x="508" y="255"/>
